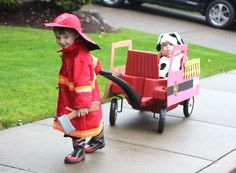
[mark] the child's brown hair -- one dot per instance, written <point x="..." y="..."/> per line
<point x="63" y="30"/>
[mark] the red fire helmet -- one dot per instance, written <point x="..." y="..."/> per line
<point x="72" y="21"/>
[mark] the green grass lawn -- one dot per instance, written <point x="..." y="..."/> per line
<point x="29" y="66"/>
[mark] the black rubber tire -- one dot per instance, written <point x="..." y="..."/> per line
<point x="214" y="21"/>
<point x="112" y="3"/>
<point x="188" y="107"/>
<point x="135" y="2"/>
<point x="162" y="120"/>
<point x="113" y="111"/>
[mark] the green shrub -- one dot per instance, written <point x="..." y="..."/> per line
<point x="71" y="5"/>
<point x="9" y="4"/>
<point x="68" y="5"/>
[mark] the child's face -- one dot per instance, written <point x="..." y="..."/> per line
<point x="167" y="48"/>
<point x="65" y="39"/>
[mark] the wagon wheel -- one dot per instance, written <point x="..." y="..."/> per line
<point x="188" y="107"/>
<point x="162" y="119"/>
<point x="113" y="111"/>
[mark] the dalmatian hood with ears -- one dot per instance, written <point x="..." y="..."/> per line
<point x="172" y="37"/>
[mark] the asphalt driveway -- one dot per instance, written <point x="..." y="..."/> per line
<point x="156" y="20"/>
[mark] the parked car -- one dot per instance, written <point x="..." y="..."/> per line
<point x="218" y="13"/>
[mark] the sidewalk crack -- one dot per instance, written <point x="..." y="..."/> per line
<point x="216" y="161"/>
<point x="161" y="149"/>
<point x="14" y="167"/>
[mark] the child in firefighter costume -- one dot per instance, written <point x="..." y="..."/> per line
<point x="165" y="45"/>
<point x="78" y="87"/>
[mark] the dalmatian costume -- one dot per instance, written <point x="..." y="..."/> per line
<point x="175" y="39"/>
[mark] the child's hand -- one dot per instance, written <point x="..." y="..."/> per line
<point x="82" y="112"/>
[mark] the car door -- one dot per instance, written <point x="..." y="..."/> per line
<point x="161" y="2"/>
<point x="188" y="4"/>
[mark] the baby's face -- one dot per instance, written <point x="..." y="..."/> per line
<point x="166" y="48"/>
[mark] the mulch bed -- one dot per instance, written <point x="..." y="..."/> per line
<point x="34" y="14"/>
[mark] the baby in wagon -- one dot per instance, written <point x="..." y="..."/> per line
<point x="165" y="45"/>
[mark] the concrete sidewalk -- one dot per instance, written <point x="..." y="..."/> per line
<point x="205" y="142"/>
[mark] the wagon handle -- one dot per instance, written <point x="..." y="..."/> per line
<point x="133" y="97"/>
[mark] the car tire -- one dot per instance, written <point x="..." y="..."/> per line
<point x="135" y="2"/>
<point x="112" y="3"/>
<point x="220" y="14"/>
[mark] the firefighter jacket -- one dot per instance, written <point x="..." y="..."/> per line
<point x="78" y="88"/>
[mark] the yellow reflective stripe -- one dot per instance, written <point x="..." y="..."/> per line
<point x="93" y="81"/>
<point x="95" y="61"/>
<point x="71" y="86"/>
<point x="63" y="80"/>
<point x="80" y="133"/>
<point x="83" y="89"/>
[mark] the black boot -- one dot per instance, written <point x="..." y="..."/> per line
<point x="78" y="154"/>
<point x="94" y="144"/>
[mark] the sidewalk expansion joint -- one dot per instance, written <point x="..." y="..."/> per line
<point x="216" y="160"/>
<point x="211" y="123"/>
<point x="47" y="125"/>
<point x="201" y="121"/>
<point x="160" y="149"/>
<point x="17" y="168"/>
<point x="192" y="119"/>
